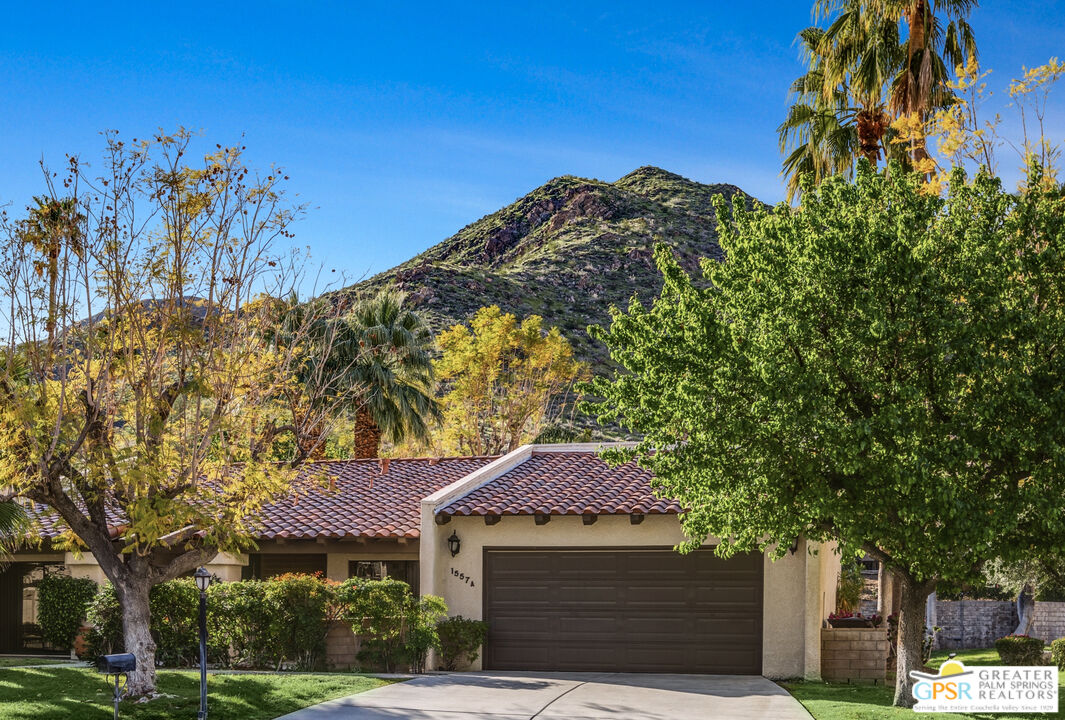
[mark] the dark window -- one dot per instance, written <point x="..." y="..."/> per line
<point x="405" y="570"/>
<point x="19" y="629"/>
<point x="266" y="565"/>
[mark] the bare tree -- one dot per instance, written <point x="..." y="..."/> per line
<point x="145" y="395"/>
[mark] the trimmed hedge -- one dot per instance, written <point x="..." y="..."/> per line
<point x="63" y="602"/>
<point x="267" y="623"/>
<point x="460" y="639"/>
<point x="1020" y="650"/>
<point x="1057" y="653"/>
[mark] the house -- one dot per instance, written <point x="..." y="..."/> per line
<point x="569" y="560"/>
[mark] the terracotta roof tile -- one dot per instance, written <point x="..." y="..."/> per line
<point x="565" y="483"/>
<point x="366" y="503"/>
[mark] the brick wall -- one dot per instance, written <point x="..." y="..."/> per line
<point x="854" y="655"/>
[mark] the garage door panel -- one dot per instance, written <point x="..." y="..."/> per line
<point x="623" y="610"/>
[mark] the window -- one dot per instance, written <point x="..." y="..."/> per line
<point x="405" y="570"/>
<point x="266" y="565"/>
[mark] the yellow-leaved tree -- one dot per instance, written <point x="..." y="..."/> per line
<point x="146" y="397"/>
<point x="505" y="381"/>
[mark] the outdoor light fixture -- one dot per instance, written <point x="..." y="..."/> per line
<point x="454" y="544"/>
<point x="203" y="581"/>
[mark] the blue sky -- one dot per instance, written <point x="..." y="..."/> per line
<point x="399" y="123"/>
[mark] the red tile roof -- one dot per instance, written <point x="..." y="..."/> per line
<point x="565" y="483"/>
<point x="365" y="503"/>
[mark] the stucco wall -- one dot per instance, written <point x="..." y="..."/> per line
<point x="459" y="579"/>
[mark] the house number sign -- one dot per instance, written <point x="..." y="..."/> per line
<point x="463" y="577"/>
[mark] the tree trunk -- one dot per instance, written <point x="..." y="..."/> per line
<point x="367" y="435"/>
<point x="133" y="599"/>
<point x="911" y="636"/>
<point x="1025" y="611"/>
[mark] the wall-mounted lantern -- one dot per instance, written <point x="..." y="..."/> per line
<point x="454" y="544"/>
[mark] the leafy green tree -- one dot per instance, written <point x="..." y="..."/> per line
<point x="878" y="366"/>
<point x="386" y="351"/>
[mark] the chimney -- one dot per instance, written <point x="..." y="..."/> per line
<point x="384" y="465"/>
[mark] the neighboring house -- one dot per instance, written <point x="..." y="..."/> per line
<point x="570" y="561"/>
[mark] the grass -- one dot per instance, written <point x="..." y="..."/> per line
<point x="60" y="693"/>
<point x="6" y="662"/>
<point x="840" y="701"/>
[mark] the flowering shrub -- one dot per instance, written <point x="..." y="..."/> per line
<point x="1020" y="650"/>
<point x="873" y="620"/>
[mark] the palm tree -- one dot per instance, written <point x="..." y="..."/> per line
<point x="861" y="74"/>
<point x="390" y="351"/>
<point x="818" y="136"/>
<point x="14" y="524"/>
<point x="54" y="224"/>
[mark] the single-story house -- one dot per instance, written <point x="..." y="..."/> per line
<point x="570" y="561"/>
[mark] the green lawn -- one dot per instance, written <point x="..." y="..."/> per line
<point x="18" y="661"/>
<point x="61" y="693"/>
<point x="839" y="701"/>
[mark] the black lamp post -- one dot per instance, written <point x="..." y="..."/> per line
<point x="203" y="581"/>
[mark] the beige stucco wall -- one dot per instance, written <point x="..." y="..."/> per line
<point x="786" y="650"/>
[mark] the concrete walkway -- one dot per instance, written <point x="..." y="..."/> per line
<point x="565" y="696"/>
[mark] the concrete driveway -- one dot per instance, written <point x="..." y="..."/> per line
<point x="565" y="696"/>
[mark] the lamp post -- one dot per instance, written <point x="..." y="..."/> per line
<point x="203" y="581"/>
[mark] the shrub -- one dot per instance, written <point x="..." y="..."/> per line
<point x="1020" y="650"/>
<point x="239" y="625"/>
<point x="422" y="630"/>
<point x="460" y="639"/>
<point x="105" y="617"/>
<point x="396" y="627"/>
<point x="301" y="606"/>
<point x="174" y="608"/>
<point x="62" y="604"/>
<point x="1057" y="653"/>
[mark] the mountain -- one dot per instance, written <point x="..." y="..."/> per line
<point x="566" y="251"/>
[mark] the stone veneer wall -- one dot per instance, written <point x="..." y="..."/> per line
<point x="979" y="623"/>
<point x="856" y="655"/>
<point x="973" y="623"/>
<point x="1049" y="621"/>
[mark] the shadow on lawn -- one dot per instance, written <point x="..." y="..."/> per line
<point x="60" y="693"/>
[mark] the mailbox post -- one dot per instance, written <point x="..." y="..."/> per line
<point x="120" y="666"/>
<point x="203" y="581"/>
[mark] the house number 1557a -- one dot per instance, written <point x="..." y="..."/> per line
<point x="463" y="577"/>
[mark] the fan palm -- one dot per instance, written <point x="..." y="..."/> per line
<point x="861" y="73"/>
<point x="54" y="224"/>
<point x="390" y="351"/>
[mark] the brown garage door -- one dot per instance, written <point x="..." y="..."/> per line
<point x="623" y="611"/>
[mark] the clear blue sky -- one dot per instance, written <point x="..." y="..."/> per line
<point x="401" y="122"/>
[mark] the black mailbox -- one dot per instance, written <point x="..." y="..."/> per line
<point x="115" y="664"/>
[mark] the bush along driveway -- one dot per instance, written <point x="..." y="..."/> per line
<point x="65" y="692"/>
<point x="841" y="701"/>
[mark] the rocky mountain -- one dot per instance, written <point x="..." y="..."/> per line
<point x="566" y="251"/>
